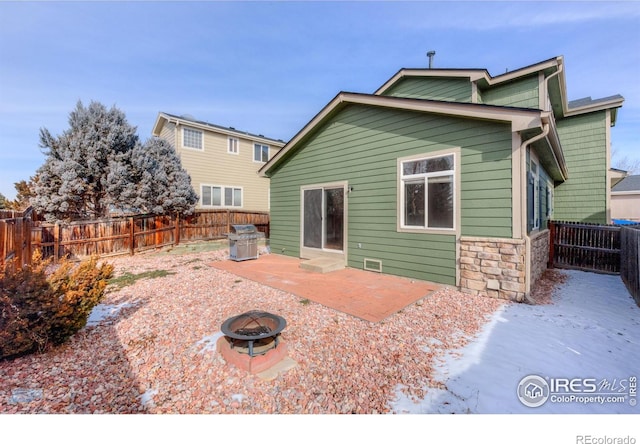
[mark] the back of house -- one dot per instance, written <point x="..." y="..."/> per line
<point x="447" y="175"/>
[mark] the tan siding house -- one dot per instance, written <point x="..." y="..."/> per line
<point x="222" y="162"/>
<point x="625" y="199"/>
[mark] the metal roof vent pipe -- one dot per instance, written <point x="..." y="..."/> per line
<point x="430" y="54"/>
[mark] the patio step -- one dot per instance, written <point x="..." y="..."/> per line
<point x="323" y="264"/>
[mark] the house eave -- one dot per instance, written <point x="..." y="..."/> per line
<point x="481" y="76"/>
<point x="164" y="117"/>
<point x="520" y="119"/>
<point x="601" y="105"/>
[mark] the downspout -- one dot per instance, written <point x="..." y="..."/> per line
<point x="523" y="185"/>
<point x="523" y="209"/>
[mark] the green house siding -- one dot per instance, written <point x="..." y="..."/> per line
<point x="361" y="145"/>
<point x="583" y="197"/>
<point x="451" y="90"/>
<point x="523" y="93"/>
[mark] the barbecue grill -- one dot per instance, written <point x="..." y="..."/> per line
<point x="243" y="242"/>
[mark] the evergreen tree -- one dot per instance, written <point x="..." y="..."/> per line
<point x="72" y="182"/>
<point x="24" y="193"/>
<point x="99" y="165"/>
<point x="162" y="186"/>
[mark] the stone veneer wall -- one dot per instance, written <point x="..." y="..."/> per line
<point x="539" y="255"/>
<point x="493" y="267"/>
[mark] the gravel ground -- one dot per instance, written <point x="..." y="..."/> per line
<point x="156" y="353"/>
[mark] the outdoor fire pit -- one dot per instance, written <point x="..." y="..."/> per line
<point x="252" y="341"/>
<point x="254" y="327"/>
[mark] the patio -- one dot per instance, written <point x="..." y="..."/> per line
<point x="366" y="295"/>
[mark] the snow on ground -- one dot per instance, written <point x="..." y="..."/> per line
<point x="589" y="334"/>
<point x="102" y="312"/>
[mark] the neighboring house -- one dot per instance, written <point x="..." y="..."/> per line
<point x="616" y="176"/>
<point x="446" y="175"/>
<point x="625" y="199"/>
<point x="222" y="162"/>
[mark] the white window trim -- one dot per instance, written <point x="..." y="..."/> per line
<point x="401" y="227"/>
<point x="222" y="194"/>
<point x="536" y="190"/>
<point x="237" y="145"/>
<point x="550" y="201"/>
<point x="254" y="152"/>
<point x="185" y="128"/>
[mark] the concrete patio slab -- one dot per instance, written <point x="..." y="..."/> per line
<point x="364" y="294"/>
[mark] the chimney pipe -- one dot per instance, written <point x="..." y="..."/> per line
<point x="430" y="54"/>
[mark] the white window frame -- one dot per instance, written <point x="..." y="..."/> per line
<point x="233" y="145"/>
<point x="261" y="145"/>
<point x="187" y="139"/>
<point x="549" y="200"/>
<point x="402" y="179"/>
<point x="223" y="189"/>
<point x="535" y="173"/>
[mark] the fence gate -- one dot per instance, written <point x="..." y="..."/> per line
<point x="584" y="246"/>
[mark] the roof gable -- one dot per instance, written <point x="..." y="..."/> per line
<point x="520" y="119"/>
<point x="552" y="69"/>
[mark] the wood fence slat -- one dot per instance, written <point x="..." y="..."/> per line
<point x="130" y="234"/>
<point x="630" y="267"/>
<point x="584" y="246"/>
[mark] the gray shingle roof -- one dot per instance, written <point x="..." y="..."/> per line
<point x="585" y="101"/>
<point x="629" y="183"/>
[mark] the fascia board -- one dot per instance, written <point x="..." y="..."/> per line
<point x="625" y="193"/>
<point x="600" y="106"/>
<point x="474" y="75"/>
<point x="556" y="146"/>
<point x="157" y="127"/>
<point x="224" y="131"/>
<point x="520" y="119"/>
<point x="522" y="72"/>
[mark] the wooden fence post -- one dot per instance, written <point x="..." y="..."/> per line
<point x="56" y="241"/>
<point x="552" y="237"/>
<point x="176" y="237"/>
<point x="5" y="241"/>
<point x="132" y="237"/>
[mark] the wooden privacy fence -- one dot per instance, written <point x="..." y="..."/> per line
<point x="630" y="266"/>
<point x="584" y="246"/>
<point x="15" y="243"/>
<point x="120" y="235"/>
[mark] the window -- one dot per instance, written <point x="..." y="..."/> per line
<point x="260" y="153"/>
<point x="535" y="184"/>
<point x="233" y="146"/>
<point x="539" y="194"/>
<point x="219" y="196"/>
<point x="191" y="138"/>
<point x="428" y="192"/>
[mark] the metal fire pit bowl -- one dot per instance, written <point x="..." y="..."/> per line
<point x="253" y="326"/>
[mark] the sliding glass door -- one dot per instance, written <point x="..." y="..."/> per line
<point x="323" y="218"/>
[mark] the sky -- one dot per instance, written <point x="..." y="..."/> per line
<point x="269" y="67"/>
